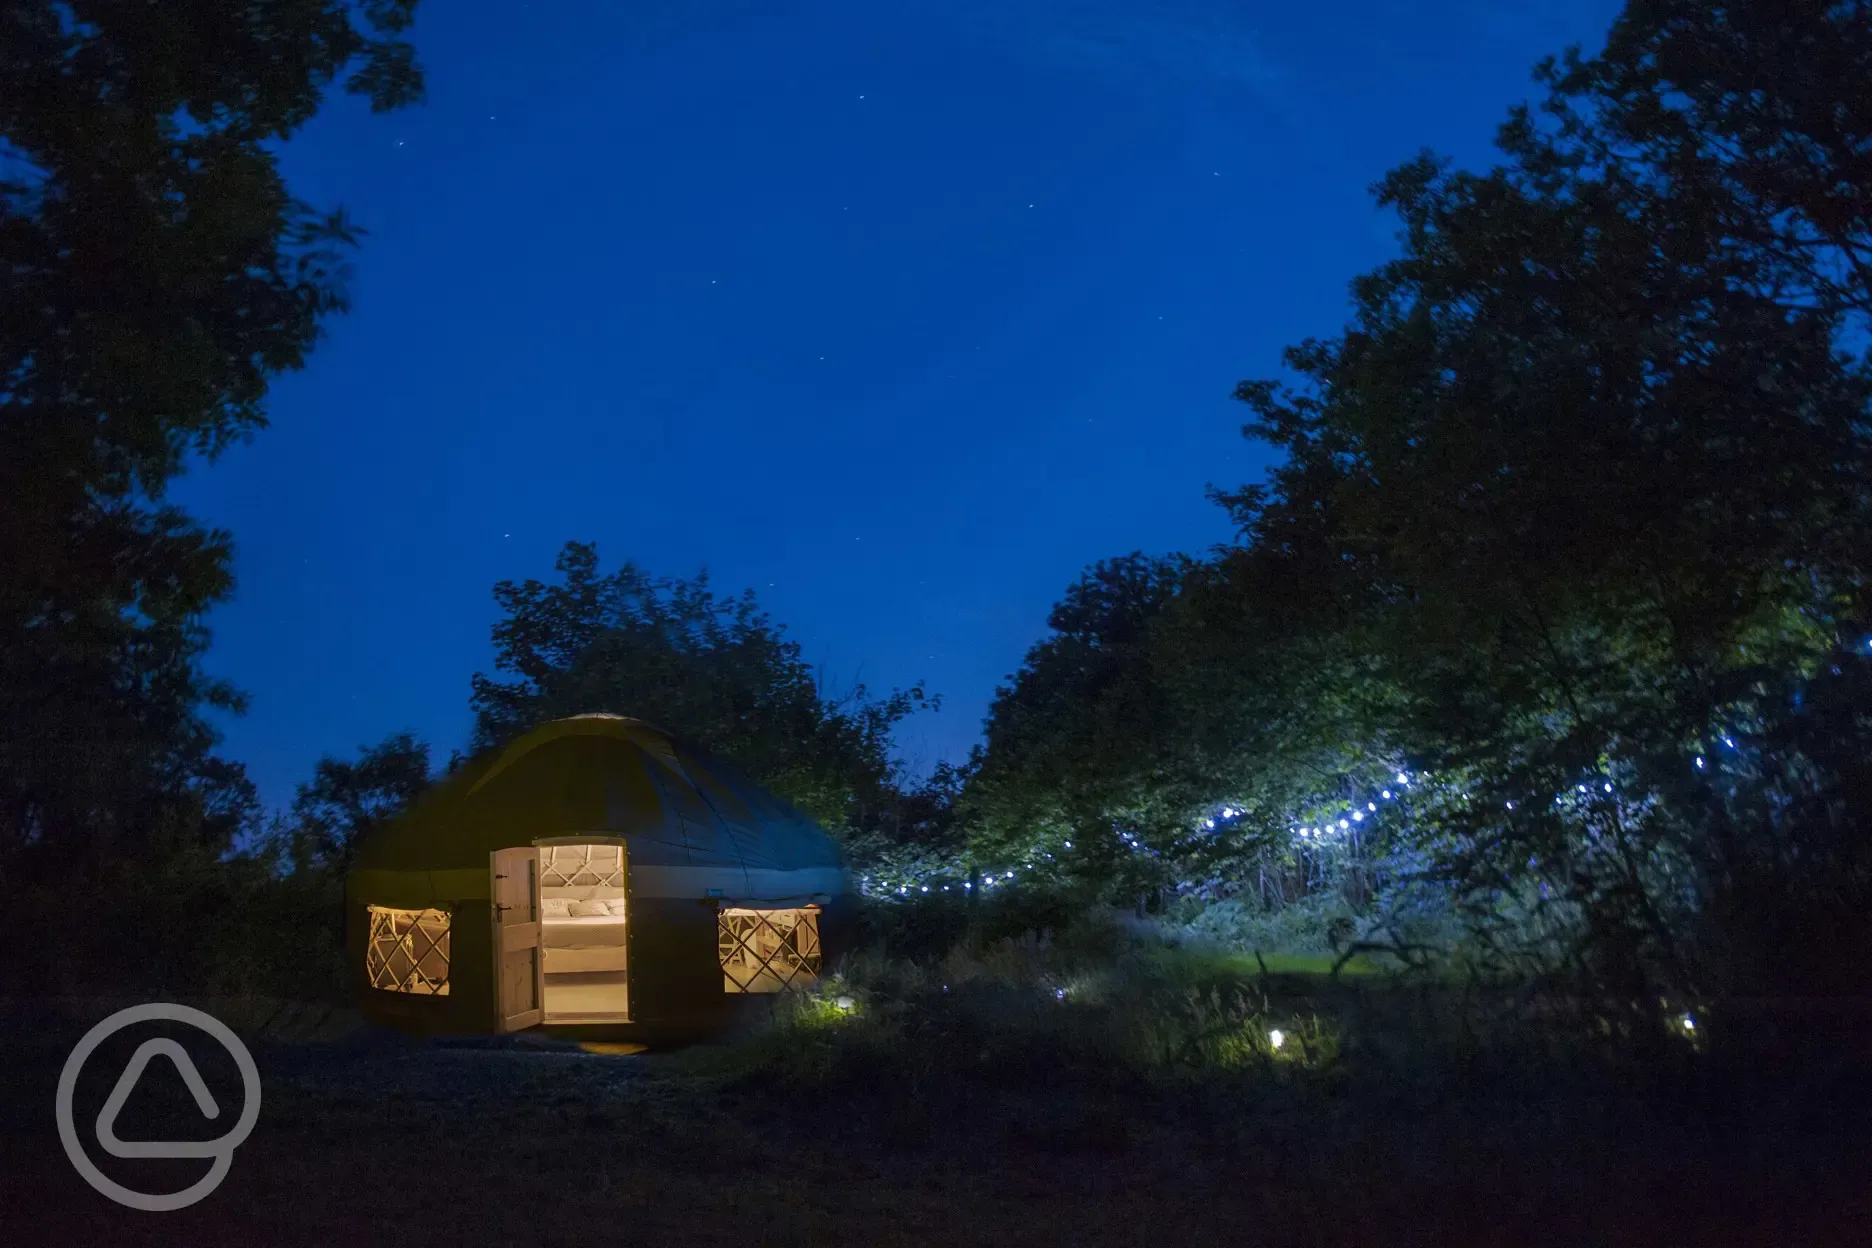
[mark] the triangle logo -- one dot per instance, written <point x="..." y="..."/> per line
<point x="126" y="1083"/>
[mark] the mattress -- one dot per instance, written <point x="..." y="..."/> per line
<point x="575" y="961"/>
<point x="598" y="931"/>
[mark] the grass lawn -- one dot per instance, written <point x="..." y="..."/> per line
<point x="944" y="1123"/>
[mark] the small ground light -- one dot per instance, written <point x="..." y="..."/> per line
<point x="1689" y="1023"/>
<point x="843" y="1003"/>
<point x="1059" y="994"/>
<point x="1277" y="1037"/>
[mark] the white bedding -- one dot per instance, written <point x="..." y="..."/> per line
<point x="591" y="932"/>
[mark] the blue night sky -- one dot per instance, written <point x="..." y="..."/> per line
<point x="899" y="312"/>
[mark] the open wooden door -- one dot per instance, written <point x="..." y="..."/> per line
<point x="519" y="970"/>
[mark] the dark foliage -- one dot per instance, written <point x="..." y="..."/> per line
<point x="156" y="275"/>
<point x="715" y="670"/>
<point x="1573" y="516"/>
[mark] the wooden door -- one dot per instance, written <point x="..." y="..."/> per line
<point x="519" y="968"/>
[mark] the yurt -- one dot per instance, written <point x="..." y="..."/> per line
<point x="596" y="875"/>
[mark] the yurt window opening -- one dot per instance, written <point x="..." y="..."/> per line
<point x="584" y="930"/>
<point x="768" y="950"/>
<point x="408" y="950"/>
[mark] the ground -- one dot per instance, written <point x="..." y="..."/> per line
<point x="368" y="1136"/>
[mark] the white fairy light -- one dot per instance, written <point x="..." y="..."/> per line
<point x="1402" y="778"/>
<point x="1358" y="816"/>
<point x="1277" y="1037"/>
<point x="1343" y="825"/>
<point x="1699" y="762"/>
<point x="1608" y="787"/>
<point x="1387" y="795"/>
<point x="1371" y="805"/>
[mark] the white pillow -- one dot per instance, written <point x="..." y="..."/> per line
<point x="555" y="908"/>
<point x="589" y="909"/>
<point x="617" y="906"/>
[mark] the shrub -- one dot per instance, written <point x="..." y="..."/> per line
<point x="1319" y="923"/>
<point x="184" y="926"/>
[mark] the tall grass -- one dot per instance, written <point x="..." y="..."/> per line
<point x="1082" y="1023"/>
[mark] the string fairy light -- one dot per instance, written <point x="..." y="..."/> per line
<point x="1318" y="837"/>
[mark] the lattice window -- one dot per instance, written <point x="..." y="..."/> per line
<point x="578" y="866"/>
<point x="409" y="951"/>
<point x="768" y="950"/>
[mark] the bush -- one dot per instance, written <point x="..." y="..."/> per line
<point x="1026" y="1014"/>
<point x="927" y="927"/>
<point x="915" y="929"/>
<point x="1319" y="923"/>
<point x="183" y="927"/>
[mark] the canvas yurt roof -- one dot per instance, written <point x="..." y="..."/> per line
<point x="692" y="822"/>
